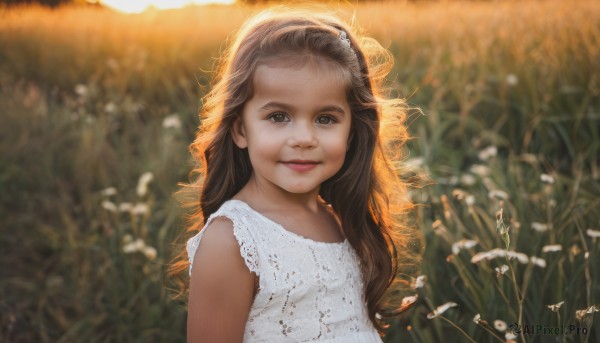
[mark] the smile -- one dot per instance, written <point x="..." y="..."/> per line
<point x="300" y="165"/>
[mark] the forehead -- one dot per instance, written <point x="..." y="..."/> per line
<point x="297" y="60"/>
<point x="297" y="80"/>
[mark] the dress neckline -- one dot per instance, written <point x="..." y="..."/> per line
<point x="288" y="232"/>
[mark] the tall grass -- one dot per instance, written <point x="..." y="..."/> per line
<point x="92" y="100"/>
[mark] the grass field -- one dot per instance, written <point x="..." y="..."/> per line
<point x="97" y="110"/>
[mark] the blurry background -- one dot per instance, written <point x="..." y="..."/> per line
<point x="98" y="106"/>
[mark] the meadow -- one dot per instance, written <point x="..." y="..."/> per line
<point x="97" y="109"/>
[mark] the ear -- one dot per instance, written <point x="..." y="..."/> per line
<point x="238" y="133"/>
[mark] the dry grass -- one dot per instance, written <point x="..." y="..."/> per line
<point x="510" y="92"/>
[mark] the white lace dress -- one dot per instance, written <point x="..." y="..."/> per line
<point x="308" y="290"/>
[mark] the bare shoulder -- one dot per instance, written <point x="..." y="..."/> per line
<point x="221" y="287"/>
<point x="218" y="241"/>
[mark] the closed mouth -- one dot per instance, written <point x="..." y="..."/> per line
<point x="300" y="162"/>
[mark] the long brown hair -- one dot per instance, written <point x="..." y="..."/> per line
<point x="366" y="193"/>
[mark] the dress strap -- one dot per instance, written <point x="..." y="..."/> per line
<point x="241" y="231"/>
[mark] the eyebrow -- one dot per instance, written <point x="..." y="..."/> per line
<point x="274" y="104"/>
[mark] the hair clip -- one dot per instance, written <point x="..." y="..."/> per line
<point x="344" y="38"/>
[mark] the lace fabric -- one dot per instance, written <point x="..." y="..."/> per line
<point x="308" y="290"/>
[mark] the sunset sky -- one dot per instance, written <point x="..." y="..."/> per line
<point x="138" y="6"/>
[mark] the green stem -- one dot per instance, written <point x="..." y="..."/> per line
<point x="501" y="292"/>
<point x="519" y="297"/>
<point x="563" y="338"/>
<point x="489" y="329"/>
<point x="458" y="328"/>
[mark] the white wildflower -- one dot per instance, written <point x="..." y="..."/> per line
<point x="546" y="178"/>
<point x="500" y="325"/>
<point x="125" y="206"/>
<point x="556" y="307"/>
<point x="586" y="255"/>
<point x="522" y="258"/>
<point x="377" y="315"/>
<point x="406" y="301"/>
<point x="109" y="206"/>
<point x="477" y="318"/>
<point x="108" y="191"/>
<point x="580" y="314"/>
<point x="139" y="244"/>
<point x="540" y="262"/>
<point x="593" y="233"/>
<point x="510" y="336"/>
<point x="539" y="227"/>
<point x="150" y="252"/>
<point x="139" y="208"/>
<point x="142" y="186"/>
<point x="488" y="255"/>
<point x="463" y="244"/>
<point x="496" y="193"/>
<point x="468" y="179"/>
<point x="552" y="248"/>
<point x="459" y="194"/>
<point x="438" y="227"/>
<point x="110" y="107"/>
<point x="172" y="121"/>
<point x="131" y="247"/>
<point x="495" y="253"/>
<point x="512" y="80"/>
<point x="81" y="90"/>
<point x="488" y="152"/>
<point x="502" y="269"/>
<point x="441" y="309"/>
<point x="480" y="170"/>
<point x="480" y="256"/>
<point x="419" y="281"/>
<point x="470" y="200"/>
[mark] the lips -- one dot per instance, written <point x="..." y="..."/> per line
<point x="300" y="165"/>
<point x="301" y="162"/>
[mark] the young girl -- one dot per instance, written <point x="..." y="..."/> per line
<point x="300" y="209"/>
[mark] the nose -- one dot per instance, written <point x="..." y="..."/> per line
<point x="303" y="135"/>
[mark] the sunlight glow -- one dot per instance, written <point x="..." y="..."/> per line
<point x="138" y="6"/>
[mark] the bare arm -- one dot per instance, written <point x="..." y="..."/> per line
<point x="221" y="287"/>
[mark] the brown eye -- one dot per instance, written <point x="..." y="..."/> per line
<point x="325" y="120"/>
<point x="278" y="117"/>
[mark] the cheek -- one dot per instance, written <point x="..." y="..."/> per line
<point x="262" y="147"/>
<point x="336" y="149"/>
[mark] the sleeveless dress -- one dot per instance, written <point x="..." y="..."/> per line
<point x="308" y="290"/>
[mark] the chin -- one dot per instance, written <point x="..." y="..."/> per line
<point x="300" y="189"/>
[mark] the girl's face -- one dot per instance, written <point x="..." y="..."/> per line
<point x="296" y="126"/>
